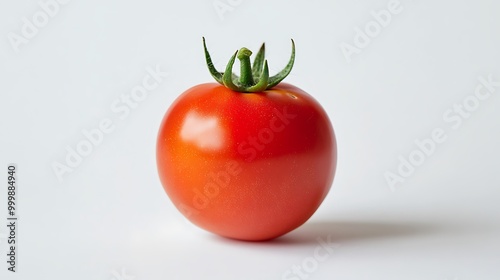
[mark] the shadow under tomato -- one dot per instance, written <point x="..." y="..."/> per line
<point x="343" y="232"/>
<point x="356" y="231"/>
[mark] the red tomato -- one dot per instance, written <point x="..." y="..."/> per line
<point x="249" y="166"/>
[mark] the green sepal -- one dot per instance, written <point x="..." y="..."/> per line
<point x="276" y="79"/>
<point x="216" y="74"/>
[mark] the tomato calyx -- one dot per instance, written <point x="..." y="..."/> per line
<point x="253" y="78"/>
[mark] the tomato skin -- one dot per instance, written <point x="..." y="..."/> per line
<point x="249" y="166"/>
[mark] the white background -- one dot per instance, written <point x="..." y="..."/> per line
<point x="110" y="219"/>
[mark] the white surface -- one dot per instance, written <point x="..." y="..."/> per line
<point x="110" y="219"/>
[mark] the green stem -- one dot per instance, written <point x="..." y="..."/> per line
<point x="246" y="77"/>
<point x="251" y="80"/>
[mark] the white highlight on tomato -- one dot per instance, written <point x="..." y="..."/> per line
<point x="203" y="131"/>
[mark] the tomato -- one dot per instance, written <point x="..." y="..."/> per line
<point x="249" y="166"/>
